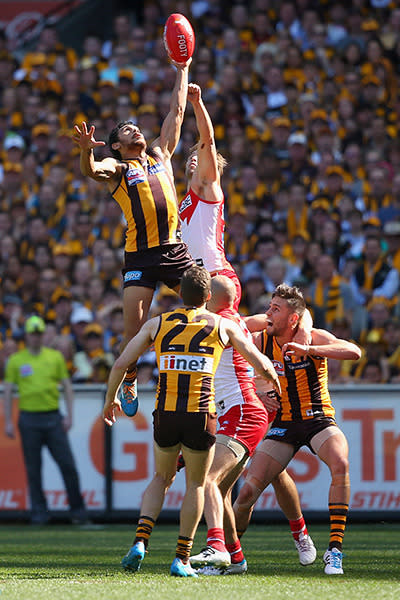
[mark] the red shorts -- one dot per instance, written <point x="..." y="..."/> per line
<point x="247" y="423"/>
<point x="231" y="274"/>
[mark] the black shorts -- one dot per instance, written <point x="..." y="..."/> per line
<point x="162" y="263"/>
<point x="298" y="433"/>
<point x="194" y="430"/>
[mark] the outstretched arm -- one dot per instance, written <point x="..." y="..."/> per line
<point x="104" y="170"/>
<point x="324" y="344"/>
<point x="171" y="127"/>
<point x="206" y="152"/>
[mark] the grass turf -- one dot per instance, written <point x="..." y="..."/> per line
<point x="84" y="563"/>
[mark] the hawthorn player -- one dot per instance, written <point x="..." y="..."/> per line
<point x="188" y="342"/>
<point x="306" y="416"/>
<point x="140" y="179"/>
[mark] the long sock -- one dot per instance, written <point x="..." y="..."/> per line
<point x="216" y="539"/>
<point x="298" y="526"/>
<point x="183" y="548"/>
<point x="131" y="375"/>
<point x="338" y="518"/>
<point x="236" y="552"/>
<point x="144" y="529"/>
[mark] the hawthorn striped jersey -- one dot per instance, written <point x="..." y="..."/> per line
<point x="304" y="383"/>
<point x="147" y="197"/>
<point x="188" y="348"/>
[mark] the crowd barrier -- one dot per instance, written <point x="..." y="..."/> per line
<point x="116" y="464"/>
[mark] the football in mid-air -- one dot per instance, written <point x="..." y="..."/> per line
<point x="179" y="38"/>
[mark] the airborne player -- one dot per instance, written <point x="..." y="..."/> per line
<point x="140" y="179"/>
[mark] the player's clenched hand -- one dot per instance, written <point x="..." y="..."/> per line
<point x="194" y="93"/>
<point x="85" y="137"/>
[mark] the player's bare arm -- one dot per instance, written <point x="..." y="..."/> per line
<point x="324" y="344"/>
<point x="304" y="328"/>
<point x="255" y="323"/>
<point x="108" y="169"/>
<point x="137" y="345"/>
<point x="248" y="350"/>
<point x="171" y="127"/>
<point x="207" y="168"/>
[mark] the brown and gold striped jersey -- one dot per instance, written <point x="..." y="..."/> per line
<point x="304" y="383"/>
<point x="188" y="348"/>
<point x="147" y="198"/>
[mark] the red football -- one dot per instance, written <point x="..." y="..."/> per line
<point x="179" y="38"/>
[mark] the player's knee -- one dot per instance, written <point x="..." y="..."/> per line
<point x="165" y="479"/>
<point x="340" y="465"/>
<point x="248" y="495"/>
<point x="280" y="480"/>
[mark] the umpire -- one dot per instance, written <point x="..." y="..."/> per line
<point x="36" y="372"/>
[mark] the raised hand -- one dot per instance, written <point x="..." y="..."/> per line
<point x="85" y="138"/>
<point x="194" y="93"/>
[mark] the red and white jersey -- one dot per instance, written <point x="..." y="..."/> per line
<point x="234" y="377"/>
<point x="202" y="225"/>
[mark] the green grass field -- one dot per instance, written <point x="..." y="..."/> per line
<point x="71" y="562"/>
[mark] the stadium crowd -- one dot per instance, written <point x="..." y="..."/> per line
<point x="304" y="97"/>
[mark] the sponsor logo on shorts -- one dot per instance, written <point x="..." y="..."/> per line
<point x="133" y="275"/>
<point x="135" y="176"/>
<point x="277" y="431"/>
<point x="25" y="370"/>
<point x="186" y="362"/>
<point x="278" y="366"/>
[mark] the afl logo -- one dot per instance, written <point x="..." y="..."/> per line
<point x="278" y="366"/>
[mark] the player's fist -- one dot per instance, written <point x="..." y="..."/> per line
<point x="194" y="93"/>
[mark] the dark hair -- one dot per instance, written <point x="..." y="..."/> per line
<point x="195" y="286"/>
<point x="113" y="137"/>
<point x="293" y="297"/>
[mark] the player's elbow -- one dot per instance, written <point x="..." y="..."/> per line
<point x="354" y="352"/>
<point x="121" y="364"/>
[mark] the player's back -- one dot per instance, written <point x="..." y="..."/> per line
<point x="188" y="348"/>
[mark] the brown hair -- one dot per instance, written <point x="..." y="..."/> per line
<point x="293" y="297"/>
<point x="195" y="286"/>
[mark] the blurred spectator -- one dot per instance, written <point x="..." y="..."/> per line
<point x="391" y="233"/>
<point x="87" y="362"/>
<point x="330" y="296"/>
<point x="372" y="373"/>
<point x="80" y="318"/>
<point x="374" y="276"/>
<point x="7" y="347"/>
<point x="305" y="105"/>
<point x="265" y="248"/>
<point x="375" y="353"/>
